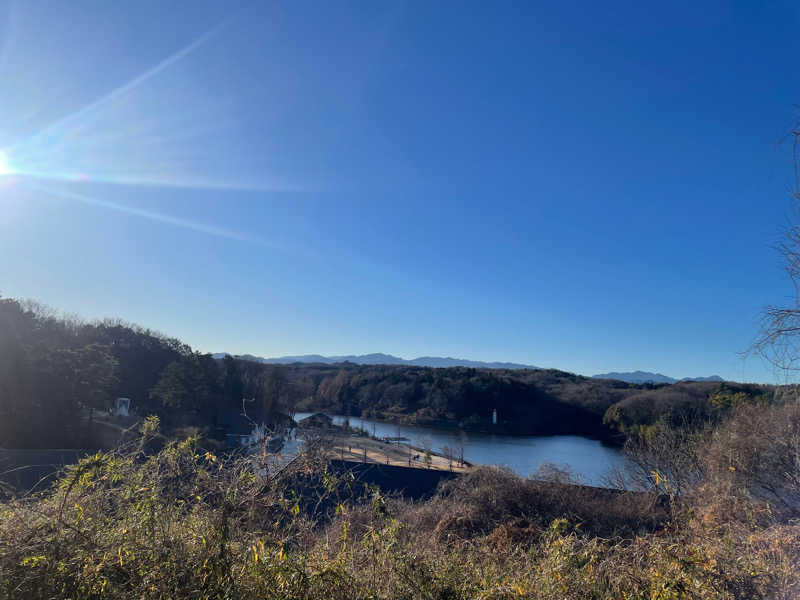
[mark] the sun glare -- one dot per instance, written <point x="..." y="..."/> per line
<point x="5" y="167"/>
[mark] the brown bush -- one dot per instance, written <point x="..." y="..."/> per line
<point x="184" y="524"/>
<point x="479" y="502"/>
<point x="753" y="461"/>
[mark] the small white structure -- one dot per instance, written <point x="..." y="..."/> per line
<point x="122" y="407"/>
<point x="494" y="416"/>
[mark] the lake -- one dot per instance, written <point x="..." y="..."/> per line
<point x="589" y="459"/>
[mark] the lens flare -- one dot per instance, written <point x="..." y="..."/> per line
<point x="5" y="166"/>
<point x="163" y="128"/>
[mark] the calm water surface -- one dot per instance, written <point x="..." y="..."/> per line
<point x="588" y="459"/>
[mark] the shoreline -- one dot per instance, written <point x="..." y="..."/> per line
<point x="612" y="439"/>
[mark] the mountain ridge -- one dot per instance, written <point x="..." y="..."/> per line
<point x="647" y="377"/>
<point x="379" y="358"/>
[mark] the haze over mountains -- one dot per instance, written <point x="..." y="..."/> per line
<point x="646" y="377"/>
<point x="379" y="358"/>
<point x="383" y="359"/>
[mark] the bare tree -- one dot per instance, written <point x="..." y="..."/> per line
<point x="450" y="453"/>
<point x="779" y="339"/>
<point x="666" y="459"/>
<point x="757" y="453"/>
<point x="462" y="443"/>
<point x="425" y="442"/>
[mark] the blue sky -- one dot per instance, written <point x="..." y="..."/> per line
<point x="585" y="186"/>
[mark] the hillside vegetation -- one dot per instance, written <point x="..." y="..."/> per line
<point x="542" y="401"/>
<point x="182" y="523"/>
<point x="712" y="508"/>
<point x="56" y="372"/>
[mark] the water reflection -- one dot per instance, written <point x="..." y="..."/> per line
<point x="590" y="460"/>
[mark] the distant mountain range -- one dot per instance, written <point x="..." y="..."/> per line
<point x="379" y="358"/>
<point x="645" y="377"/>
<point x="382" y="359"/>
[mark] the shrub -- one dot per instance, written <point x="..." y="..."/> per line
<point x="183" y="523"/>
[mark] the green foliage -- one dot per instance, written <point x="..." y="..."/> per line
<point x="187" y="386"/>
<point x="50" y="378"/>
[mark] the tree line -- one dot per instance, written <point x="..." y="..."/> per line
<point x="532" y="401"/>
<point x="57" y="372"/>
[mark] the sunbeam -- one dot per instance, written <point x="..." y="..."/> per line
<point x="155" y="216"/>
<point x="53" y="128"/>
<point x="152" y="131"/>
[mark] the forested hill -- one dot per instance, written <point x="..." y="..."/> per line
<point x="383" y="359"/>
<point x="540" y="401"/>
<point x="56" y="373"/>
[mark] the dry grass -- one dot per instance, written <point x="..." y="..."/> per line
<point x="180" y="523"/>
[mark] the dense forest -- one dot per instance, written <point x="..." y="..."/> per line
<point x="57" y="372"/>
<point x="533" y="401"/>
